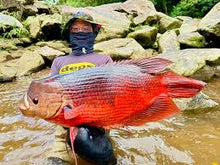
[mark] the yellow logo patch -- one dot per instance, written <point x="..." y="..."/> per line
<point x="75" y="67"/>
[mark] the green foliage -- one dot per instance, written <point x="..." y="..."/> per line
<point x="51" y="2"/>
<point x="165" y="6"/>
<point x="193" y="8"/>
<point x="16" y="33"/>
<point x="80" y="3"/>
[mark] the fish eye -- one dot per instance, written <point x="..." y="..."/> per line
<point x="35" y="100"/>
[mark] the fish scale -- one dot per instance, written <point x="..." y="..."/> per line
<point x="94" y="88"/>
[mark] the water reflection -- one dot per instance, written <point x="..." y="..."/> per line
<point x="184" y="139"/>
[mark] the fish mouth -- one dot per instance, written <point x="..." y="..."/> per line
<point x="26" y="103"/>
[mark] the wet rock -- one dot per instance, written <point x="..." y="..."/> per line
<point x="29" y="63"/>
<point x="145" y="35"/>
<point x="62" y="46"/>
<point x="168" y="42"/>
<point x="188" y="61"/>
<point x="7" y="73"/>
<point x="199" y="102"/>
<point x="192" y="39"/>
<point x="121" y="48"/>
<point x="114" y="24"/>
<point x="210" y="24"/>
<point x="49" y="53"/>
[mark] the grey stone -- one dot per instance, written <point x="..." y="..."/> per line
<point x="121" y="48"/>
<point x="168" y="42"/>
<point x="145" y="35"/>
<point x="210" y="24"/>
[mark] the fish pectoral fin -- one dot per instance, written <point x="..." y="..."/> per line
<point x="71" y="112"/>
<point x="162" y="107"/>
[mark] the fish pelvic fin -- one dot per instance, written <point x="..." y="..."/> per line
<point x="179" y="86"/>
<point x="162" y="107"/>
<point x="73" y="134"/>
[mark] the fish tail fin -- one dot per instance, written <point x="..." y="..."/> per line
<point x="179" y="86"/>
<point x="162" y="107"/>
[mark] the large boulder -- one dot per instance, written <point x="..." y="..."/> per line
<point x="46" y="26"/>
<point x="114" y="24"/>
<point x="42" y="7"/>
<point x="192" y="39"/>
<point x="210" y="24"/>
<point x="188" y="24"/>
<point x="122" y="48"/>
<point x="139" y="9"/>
<point x="62" y="46"/>
<point x="188" y="61"/>
<point x="7" y="73"/>
<point x="162" y="21"/>
<point x="30" y="10"/>
<point x="6" y="20"/>
<point x="49" y="53"/>
<point x="33" y="24"/>
<point x="14" y="4"/>
<point x="145" y="35"/>
<point x="189" y="37"/>
<point x="21" y="51"/>
<point x="168" y="41"/>
<point x="29" y="63"/>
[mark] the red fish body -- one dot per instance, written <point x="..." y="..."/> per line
<point x="130" y="92"/>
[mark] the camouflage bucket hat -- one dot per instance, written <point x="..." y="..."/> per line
<point x="83" y="16"/>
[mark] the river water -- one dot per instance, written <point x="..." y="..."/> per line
<point x="191" y="138"/>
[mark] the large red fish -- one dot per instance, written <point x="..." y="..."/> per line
<point x="124" y="93"/>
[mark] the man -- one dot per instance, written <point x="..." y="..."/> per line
<point x="80" y="31"/>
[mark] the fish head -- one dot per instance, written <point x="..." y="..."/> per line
<point x="44" y="99"/>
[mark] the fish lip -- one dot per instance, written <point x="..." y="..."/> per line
<point x="26" y="103"/>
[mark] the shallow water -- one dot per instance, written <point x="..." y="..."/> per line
<point x="185" y="139"/>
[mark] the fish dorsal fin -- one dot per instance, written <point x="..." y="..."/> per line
<point x="163" y="107"/>
<point x="147" y="65"/>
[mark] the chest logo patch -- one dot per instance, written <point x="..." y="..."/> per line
<point x="75" y="67"/>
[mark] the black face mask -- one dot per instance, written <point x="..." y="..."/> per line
<point x="82" y="43"/>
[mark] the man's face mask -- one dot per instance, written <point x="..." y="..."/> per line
<point x="82" y="43"/>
